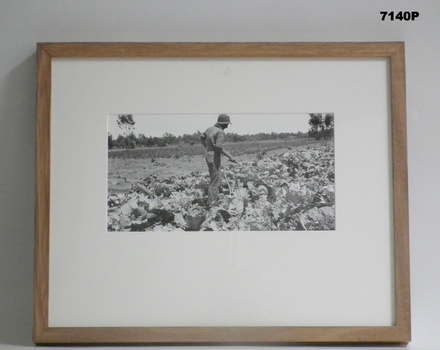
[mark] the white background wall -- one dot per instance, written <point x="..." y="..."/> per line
<point x="25" y="22"/>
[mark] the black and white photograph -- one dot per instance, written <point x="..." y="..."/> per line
<point x="221" y="172"/>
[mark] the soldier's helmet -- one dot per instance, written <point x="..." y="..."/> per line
<point x="224" y="119"/>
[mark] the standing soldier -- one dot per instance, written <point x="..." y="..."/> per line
<point x="213" y="139"/>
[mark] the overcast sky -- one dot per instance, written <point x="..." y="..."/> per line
<point x="179" y="124"/>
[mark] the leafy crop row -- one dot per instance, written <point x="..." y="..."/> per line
<point x="292" y="191"/>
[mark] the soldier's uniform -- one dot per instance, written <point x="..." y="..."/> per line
<point x="213" y="139"/>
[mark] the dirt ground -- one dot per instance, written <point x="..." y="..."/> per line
<point x="122" y="173"/>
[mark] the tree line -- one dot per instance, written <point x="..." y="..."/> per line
<point x="321" y="127"/>
<point x="168" y="139"/>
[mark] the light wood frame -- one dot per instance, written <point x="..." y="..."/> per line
<point x="398" y="333"/>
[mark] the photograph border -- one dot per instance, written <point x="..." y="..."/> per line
<point x="398" y="333"/>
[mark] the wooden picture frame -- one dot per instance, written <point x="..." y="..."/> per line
<point x="397" y="332"/>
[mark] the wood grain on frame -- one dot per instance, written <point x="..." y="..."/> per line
<point x="398" y="333"/>
<point x="219" y="50"/>
<point x="42" y="205"/>
<point x="400" y="190"/>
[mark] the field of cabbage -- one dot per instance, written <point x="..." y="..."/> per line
<point x="290" y="191"/>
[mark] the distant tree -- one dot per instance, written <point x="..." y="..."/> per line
<point x="120" y="142"/>
<point x="142" y="140"/>
<point x="110" y="141"/>
<point x="329" y="121"/>
<point x="131" y="140"/>
<point x="316" y="122"/>
<point x="321" y="126"/>
<point x="169" y="139"/>
<point x="126" y="124"/>
<point x="329" y="125"/>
